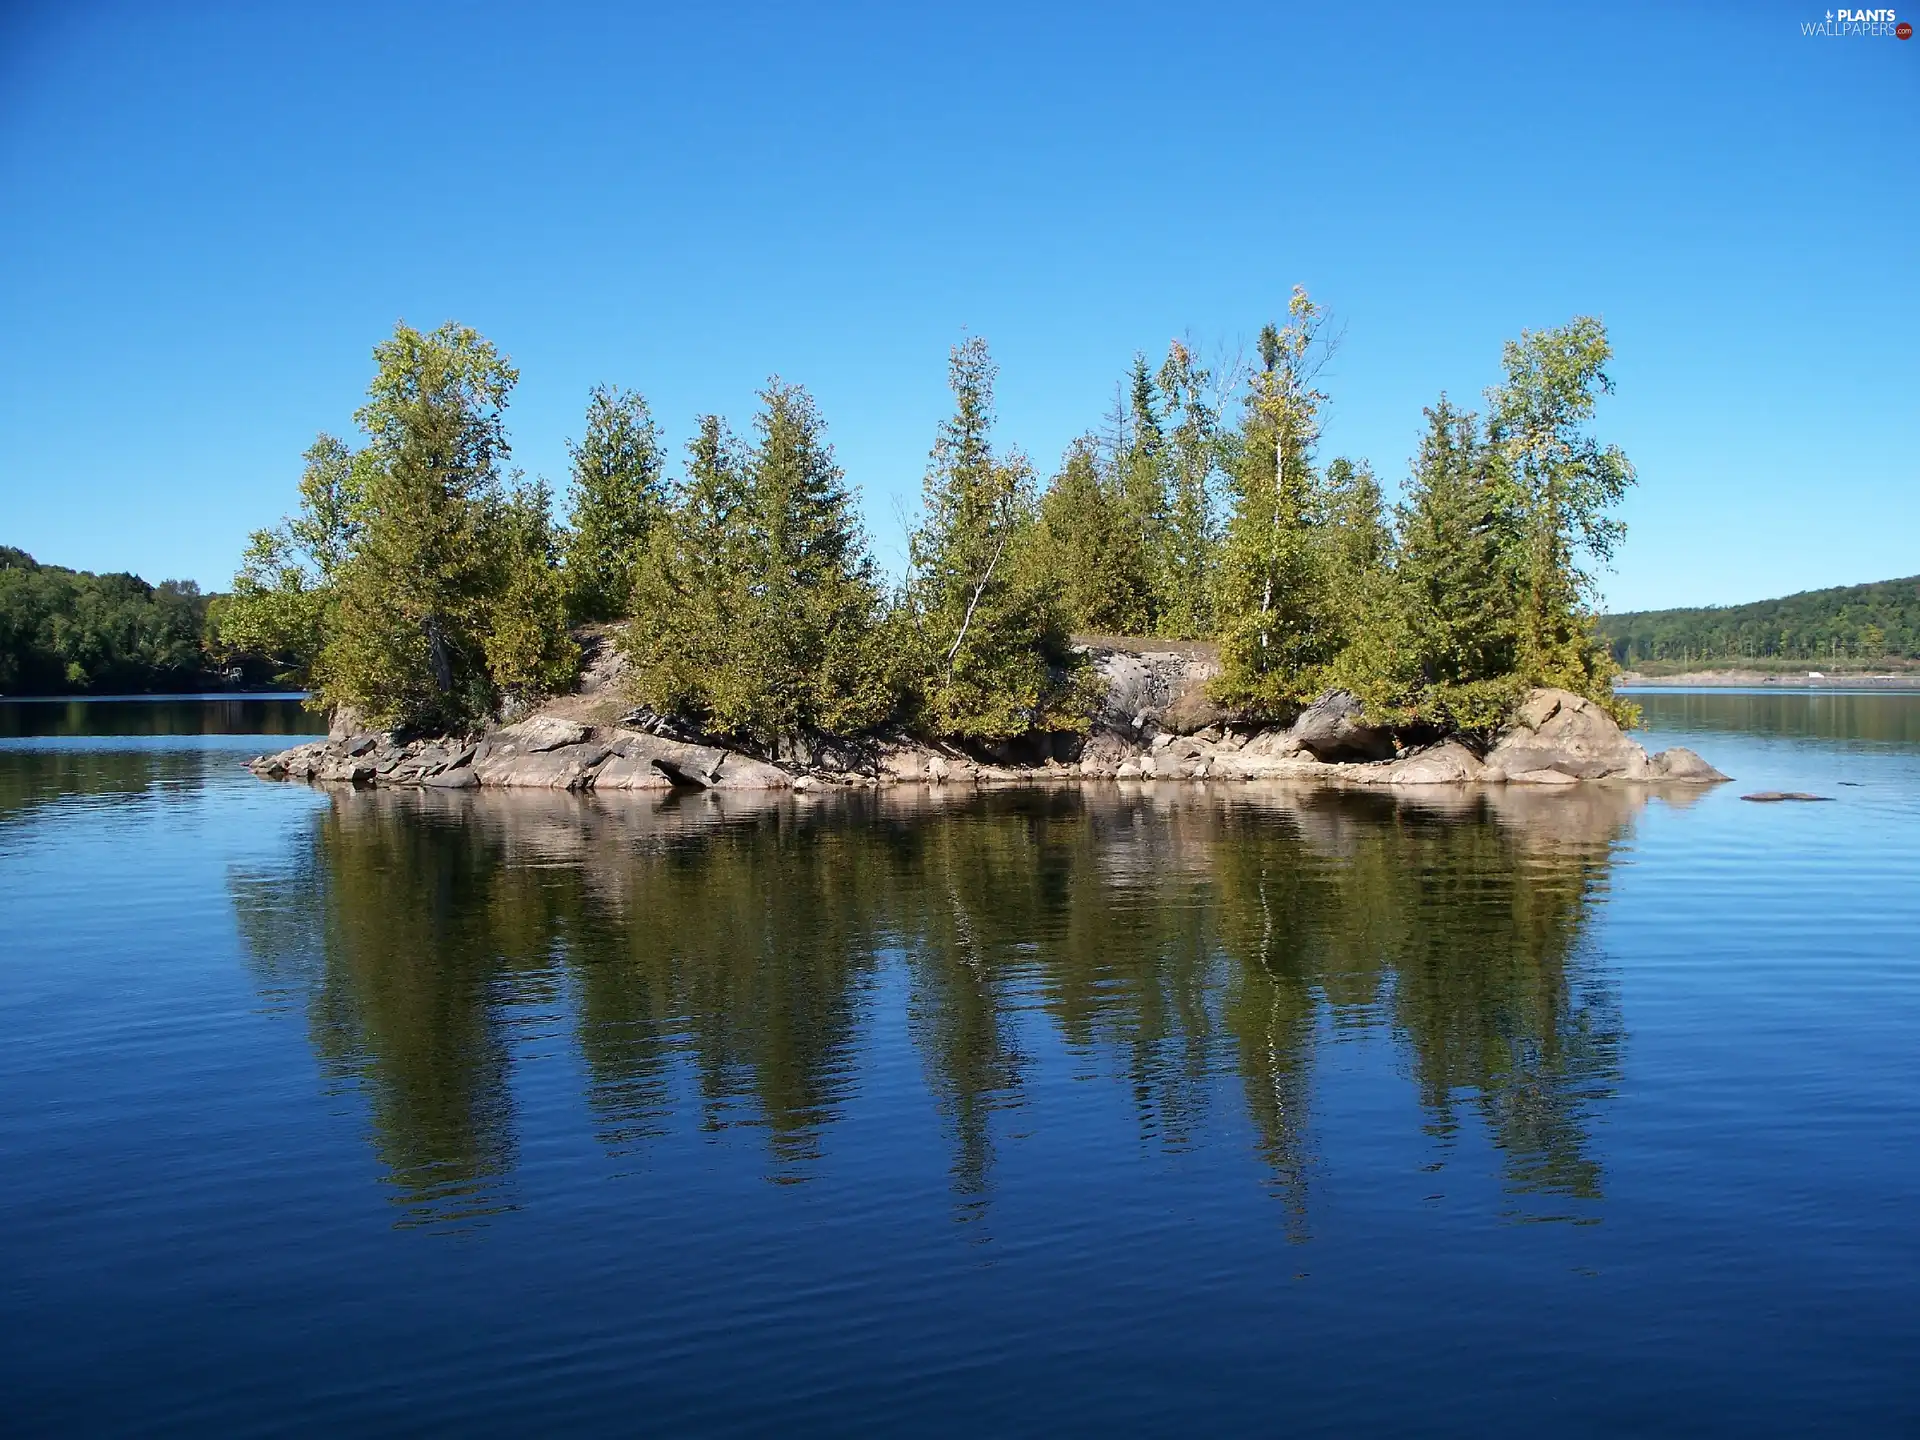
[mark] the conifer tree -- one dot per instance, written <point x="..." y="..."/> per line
<point x="1567" y="482"/>
<point x="1086" y="540"/>
<point x="1141" y="477"/>
<point x="1280" y="617"/>
<point x="530" y="653"/>
<point x="1190" y="536"/>
<point x="1456" y="585"/>
<point x="407" y="634"/>
<point x="683" y="641"/>
<point x="760" y="602"/>
<point x="993" y="636"/>
<point x="619" y="489"/>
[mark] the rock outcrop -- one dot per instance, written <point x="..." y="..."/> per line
<point x="1557" y="739"/>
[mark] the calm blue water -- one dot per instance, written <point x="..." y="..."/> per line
<point x="1178" y="1111"/>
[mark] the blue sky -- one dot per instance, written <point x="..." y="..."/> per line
<point x="213" y="212"/>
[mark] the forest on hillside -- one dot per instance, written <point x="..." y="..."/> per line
<point x="1879" y="621"/>
<point x="71" y="631"/>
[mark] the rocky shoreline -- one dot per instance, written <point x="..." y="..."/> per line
<point x="1156" y="725"/>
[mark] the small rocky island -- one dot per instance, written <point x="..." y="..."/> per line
<point x="1155" y="724"/>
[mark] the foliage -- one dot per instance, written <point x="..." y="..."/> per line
<point x="413" y="585"/>
<point x="1191" y="535"/>
<point x="64" y="631"/>
<point x="1087" y="540"/>
<point x="1880" y="621"/>
<point x="530" y="652"/>
<point x="1280" y="616"/>
<point x="278" y="607"/>
<point x="1454" y="656"/>
<point x="758" y="606"/>
<point x="990" y="624"/>
<point x="619" y="489"/>
<point x="1565" y="482"/>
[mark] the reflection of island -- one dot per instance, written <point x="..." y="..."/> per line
<point x="717" y="953"/>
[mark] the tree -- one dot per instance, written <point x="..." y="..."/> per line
<point x="1191" y="535"/>
<point x="64" y="630"/>
<point x="281" y="595"/>
<point x="683" y="640"/>
<point x="1454" y="621"/>
<point x="1567" y="483"/>
<point x="530" y="653"/>
<point x="407" y="633"/>
<point x="761" y="603"/>
<point x="619" y="490"/>
<point x="1280" y="621"/>
<point x="1086" y="540"/>
<point x="995" y="659"/>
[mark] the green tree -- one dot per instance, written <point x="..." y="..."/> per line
<point x="1280" y="617"/>
<point x="281" y="595"/>
<point x="619" y="489"/>
<point x="994" y="660"/>
<point x="407" y="633"/>
<point x="684" y="640"/>
<point x="1456" y="583"/>
<point x="1087" y="540"/>
<point x="530" y="653"/>
<point x="1567" y="484"/>
<point x="1191" y="536"/>
<point x="762" y="603"/>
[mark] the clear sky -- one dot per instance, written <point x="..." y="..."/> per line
<point x="212" y="212"/>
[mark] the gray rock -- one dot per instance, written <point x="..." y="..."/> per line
<point x="1681" y="764"/>
<point x="1335" y="727"/>
<point x="1448" y="763"/>
<point x="543" y="732"/>
<point x="344" y="722"/>
<point x="461" y="779"/>
<point x="1562" y="732"/>
<point x="565" y="767"/>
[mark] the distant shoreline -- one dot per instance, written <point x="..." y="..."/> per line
<point x="154" y="695"/>
<point x="1766" y="680"/>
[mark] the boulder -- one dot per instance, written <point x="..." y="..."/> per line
<point x="631" y="772"/>
<point x="1335" y="727"/>
<point x="1448" y="763"/>
<point x="565" y="767"/>
<point x="1568" y="735"/>
<point x="1542" y="777"/>
<point x="461" y="779"/>
<point x="1681" y="764"/>
<point x="1192" y="709"/>
<point x="541" y="733"/>
<point x="345" y="721"/>
<point x="705" y="766"/>
<point x="1150" y="690"/>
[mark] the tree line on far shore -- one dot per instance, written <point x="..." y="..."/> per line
<point x="425" y="584"/>
<point x="70" y="631"/>
<point x="1876" y="623"/>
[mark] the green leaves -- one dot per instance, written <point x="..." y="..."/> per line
<point x="619" y="490"/>
<point x="993" y="658"/>
<point x="757" y="605"/>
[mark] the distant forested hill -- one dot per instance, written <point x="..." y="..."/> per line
<point x="70" y="631"/>
<point x="1856" y="622"/>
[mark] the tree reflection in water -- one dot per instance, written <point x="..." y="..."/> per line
<point x="720" y="956"/>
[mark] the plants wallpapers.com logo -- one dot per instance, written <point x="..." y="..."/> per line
<point x="1857" y="24"/>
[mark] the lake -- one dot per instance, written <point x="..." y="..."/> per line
<point x="1158" y="1110"/>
